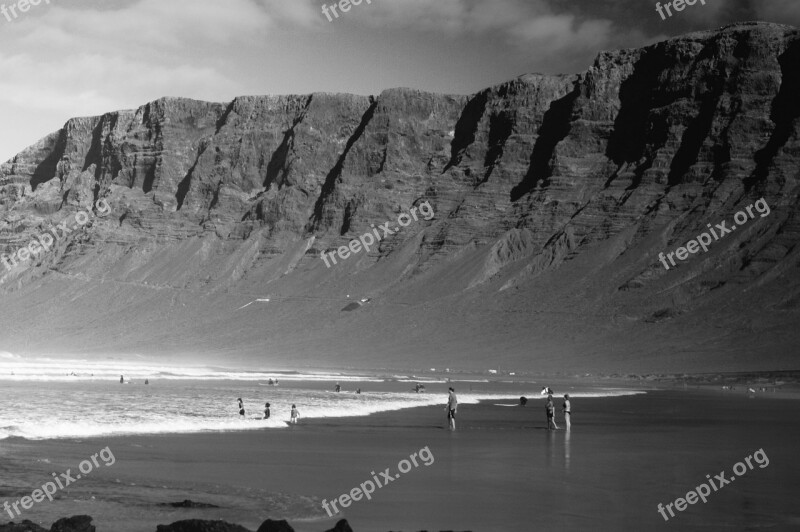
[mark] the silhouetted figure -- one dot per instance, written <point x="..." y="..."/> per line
<point x="266" y="410"/>
<point x="523" y="401"/>
<point x="452" y="406"/>
<point x="551" y="413"/>
<point x="241" y="407"/>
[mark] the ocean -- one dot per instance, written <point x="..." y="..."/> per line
<point x="56" y="398"/>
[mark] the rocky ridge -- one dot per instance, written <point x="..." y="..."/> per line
<point x="553" y="196"/>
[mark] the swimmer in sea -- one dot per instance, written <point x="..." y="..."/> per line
<point x="241" y="407"/>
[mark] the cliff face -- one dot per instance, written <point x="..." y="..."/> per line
<point x="553" y="197"/>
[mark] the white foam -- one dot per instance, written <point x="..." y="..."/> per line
<point x="197" y="399"/>
<point x="125" y="414"/>
<point x="15" y="368"/>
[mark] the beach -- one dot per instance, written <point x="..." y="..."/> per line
<point x="499" y="471"/>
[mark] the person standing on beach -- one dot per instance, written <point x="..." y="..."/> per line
<point x="551" y="413"/>
<point x="567" y="409"/>
<point x="295" y="414"/>
<point x="266" y="410"/>
<point x="452" y="406"/>
<point x="241" y="407"/>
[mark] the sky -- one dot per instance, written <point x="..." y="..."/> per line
<point x="66" y="58"/>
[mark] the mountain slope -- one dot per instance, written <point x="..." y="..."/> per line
<point x="553" y="197"/>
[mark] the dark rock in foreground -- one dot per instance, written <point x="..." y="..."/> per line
<point x="83" y="523"/>
<point x="200" y="525"/>
<point x="275" y="526"/>
<point x="25" y="526"/>
<point x="76" y="523"/>
<point x="341" y="526"/>
<point x="186" y="503"/>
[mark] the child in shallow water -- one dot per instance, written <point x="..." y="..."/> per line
<point x="266" y="410"/>
<point x="295" y="414"/>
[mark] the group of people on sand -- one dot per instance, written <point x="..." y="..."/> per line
<point x="451" y="408"/>
<point x="294" y="416"/>
<point x="550" y="409"/>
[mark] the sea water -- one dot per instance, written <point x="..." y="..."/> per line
<point x="49" y="398"/>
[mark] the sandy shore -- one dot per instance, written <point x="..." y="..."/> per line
<point x="500" y="471"/>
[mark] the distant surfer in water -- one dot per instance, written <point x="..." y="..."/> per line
<point x="338" y="388"/>
<point x="241" y="407"/>
<point x="121" y="379"/>
<point x="452" y="406"/>
<point x="295" y="414"/>
<point x="266" y="410"/>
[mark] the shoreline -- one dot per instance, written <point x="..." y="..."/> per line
<point x="200" y="406"/>
<point x="488" y="471"/>
<point x="783" y="391"/>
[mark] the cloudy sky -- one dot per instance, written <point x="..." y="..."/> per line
<point x="86" y="57"/>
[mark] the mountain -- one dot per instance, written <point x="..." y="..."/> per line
<point x="550" y="200"/>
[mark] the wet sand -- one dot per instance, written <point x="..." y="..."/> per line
<point x="500" y="471"/>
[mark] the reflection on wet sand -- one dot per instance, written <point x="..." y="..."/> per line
<point x="551" y="447"/>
